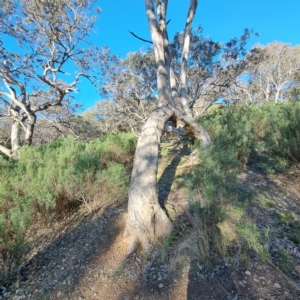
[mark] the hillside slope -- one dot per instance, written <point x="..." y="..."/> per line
<point x="84" y="257"/>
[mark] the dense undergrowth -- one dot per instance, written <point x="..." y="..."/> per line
<point x="52" y="180"/>
<point x="263" y="136"/>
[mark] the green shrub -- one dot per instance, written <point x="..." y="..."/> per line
<point x="283" y="137"/>
<point x="119" y="148"/>
<point x="272" y="129"/>
<point x="233" y="126"/>
<point x="266" y="135"/>
<point x="211" y="186"/>
<point x="256" y="241"/>
<point x="216" y="175"/>
<point x="52" y="180"/>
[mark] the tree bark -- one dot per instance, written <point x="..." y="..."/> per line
<point x="147" y="222"/>
<point x="14" y="140"/>
<point x="184" y="56"/>
<point x="277" y="95"/>
<point x="15" y="137"/>
<point x="5" y="151"/>
<point x="29" y="129"/>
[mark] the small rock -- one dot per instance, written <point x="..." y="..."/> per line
<point x="160" y="285"/>
<point x="277" y="285"/>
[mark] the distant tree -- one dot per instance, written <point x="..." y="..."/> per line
<point x="212" y="67"/>
<point x="130" y="91"/>
<point x="277" y="73"/>
<point x="63" y="121"/>
<point x="48" y="35"/>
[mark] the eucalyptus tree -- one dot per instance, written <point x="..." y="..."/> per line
<point x="62" y="121"/>
<point x="41" y="40"/>
<point x="277" y="73"/>
<point x="131" y="88"/>
<point x="212" y="67"/>
<point x="130" y="91"/>
<point x="147" y="221"/>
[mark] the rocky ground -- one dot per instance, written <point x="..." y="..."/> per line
<point x="84" y="256"/>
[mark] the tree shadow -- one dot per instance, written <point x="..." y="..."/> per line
<point x="158" y="275"/>
<point x="250" y="276"/>
<point x="241" y="273"/>
<point x="166" y="180"/>
<point x="63" y="262"/>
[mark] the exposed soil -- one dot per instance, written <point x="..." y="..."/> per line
<point x="84" y="256"/>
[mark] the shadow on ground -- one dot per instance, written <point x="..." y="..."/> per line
<point x="89" y="260"/>
<point x="240" y="273"/>
<point x="166" y="179"/>
<point x="69" y="258"/>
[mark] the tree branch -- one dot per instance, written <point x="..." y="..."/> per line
<point x="147" y="41"/>
<point x="5" y="151"/>
<point x="185" y="52"/>
<point x="158" y="42"/>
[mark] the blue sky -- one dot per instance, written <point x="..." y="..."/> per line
<point x="221" y="20"/>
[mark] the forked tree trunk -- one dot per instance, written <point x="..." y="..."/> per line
<point x="147" y="221"/>
<point x="15" y="137"/>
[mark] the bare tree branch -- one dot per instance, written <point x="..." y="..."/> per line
<point x="147" y="41"/>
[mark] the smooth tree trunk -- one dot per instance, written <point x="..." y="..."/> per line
<point x="147" y="221"/>
<point x="277" y="94"/>
<point x="30" y="129"/>
<point x="15" y="137"/>
<point x="14" y="141"/>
